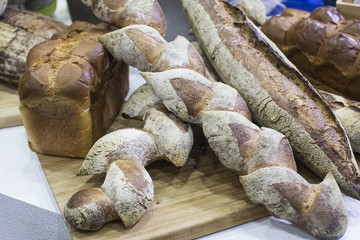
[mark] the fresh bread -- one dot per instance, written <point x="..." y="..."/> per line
<point x="278" y="96"/>
<point x="20" y="31"/>
<point x="123" y="155"/>
<point x="239" y="144"/>
<point x="71" y="91"/>
<point x="261" y="156"/>
<point x="129" y="12"/>
<point x="322" y="45"/>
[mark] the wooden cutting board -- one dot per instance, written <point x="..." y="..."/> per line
<point x="201" y="198"/>
<point x="9" y="107"/>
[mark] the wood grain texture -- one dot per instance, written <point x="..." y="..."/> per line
<point x="9" y="107"/>
<point x="201" y="198"/>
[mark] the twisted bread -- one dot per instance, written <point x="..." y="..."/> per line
<point x="129" y="12"/>
<point x="128" y="191"/>
<point x="278" y="96"/>
<point x="249" y="150"/>
<point x="323" y="45"/>
<point x="144" y="48"/>
<point x="261" y="156"/>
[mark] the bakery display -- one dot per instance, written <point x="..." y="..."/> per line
<point x="256" y="114"/>
<point x="71" y="91"/>
<point x="323" y="46"/>
<point x="21" y="30"/>
<point x="278" y="96"/>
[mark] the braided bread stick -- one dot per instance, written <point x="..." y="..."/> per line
<point x="129" y="12"/>
<point x="127" y="190"/>
<point x="278" y="96"/>
<point x="261" y="156"/>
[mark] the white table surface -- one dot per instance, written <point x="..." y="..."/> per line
<point x="22" y="178"/>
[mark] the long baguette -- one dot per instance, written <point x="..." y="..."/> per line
<point x="278" y="96"/>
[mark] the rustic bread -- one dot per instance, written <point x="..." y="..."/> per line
<point x="71" y="91"/>
<point x="322" y="45"/>
<point x="123" y="155"/>
<point x="278" y="96"/>
<point x="20" y="31"/>
<point x="255" y="10"/>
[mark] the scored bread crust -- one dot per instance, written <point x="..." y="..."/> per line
<point x="278" y="96"/>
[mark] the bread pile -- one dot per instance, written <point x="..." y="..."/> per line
<point x="323" y="45"/>
<point x="71" y="91"/>
<point x="257" y="76"/>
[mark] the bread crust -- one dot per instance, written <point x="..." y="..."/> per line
<point x="278" y="96"/>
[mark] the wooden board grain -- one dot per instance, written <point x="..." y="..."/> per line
<point x="9" y="107"/>
<point x="201" y="198"/>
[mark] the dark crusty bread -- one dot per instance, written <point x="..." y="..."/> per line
<point x="33" y="22"/>
<point x="71" y="91"/>
<point x="323" y="46"/>
<point x="20" y="31"/>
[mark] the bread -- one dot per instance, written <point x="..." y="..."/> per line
<point x="21" y="30"/>
<point x="144" y="48"/>
<point x="254" y="10"/>
<point x="71" y="91"/>
<point x="240" y="145"/>
<point x="278" y="96"/>
<point x="123" y="155"/>
<point x="345" y="110"/>
<point x="322" y="45"/>
<point x="348" y="113"/>
<point x="261" y="156"/>
<point x="129" y="12"/>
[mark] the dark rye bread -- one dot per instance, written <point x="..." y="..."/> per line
<point x="278" y="96"/>
<point x="71" y="91"/>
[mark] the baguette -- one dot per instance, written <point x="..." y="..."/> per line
<point x="278" y="96"/>
<point x="323" y="46"/>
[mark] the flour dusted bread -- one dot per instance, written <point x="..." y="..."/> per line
<point x="71" y="91"/>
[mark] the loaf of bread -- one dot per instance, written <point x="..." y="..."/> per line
<point x="278" y="96"/>
<point x="322" y="45"/>
<point x="20" y="31"/>
<point x="254" y="9"/>
<point x="71" y="91"/>
<point x="123" y="154"/>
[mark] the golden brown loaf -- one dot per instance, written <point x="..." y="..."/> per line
<point x="323" y="46"/>
<point x="71" y="91"/>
